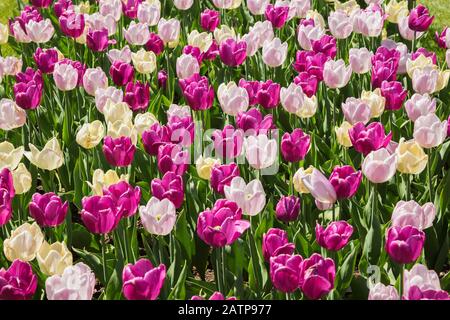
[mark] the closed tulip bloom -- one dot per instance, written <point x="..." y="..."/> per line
<point x="137" y="33"/>
<point x="250" y="197"/>
<point x="366" y="139"/>
<point x="232" y="52"/>
<point x="336" y="74"/>
<point x="100" y="214"/>
<point x="18" y="32"/>
<point x="102" y="180"/>
<point x="257" y="7"/>
<point x="187" y="66"/>
<point x="102" y="95"/>
<point x="277" y="15"/>
<point x="404" y="244"/>
<point x="268" y="95"/>
<point x="123" y="55"/>
<point x="137" y="95"/>
<point x="10" y="157"/>
<point x="209" y="19"/>
<point x="125" y="197"/>
<point x="144" y="61"/>
<point x="253" y="123"/>
<point x="295" y="145"/>
<point x="130" y="7"/>
<point x="54" y="258"/>
<point x="183" y="4"/>
<point x="169" y="31"/>
<point x="170" y="187"/>
<point x="308" y="108"/>
<point x="65" y="76"/>
<point x="154" y="137"/>
<point x="288" y="208"/>
<point x="420" y="19"/>
<point x="429" y="131"/>
<point x="149" y="12"/>
<point x="46" y="59"/>
<point x="284" y="272"/>
<point x="320" y="188"/>
<point x="118" y="152"/>
<point x="368" y="23"/>
<point x="421" y="282"/>
<point x="28" y="94"/>
<point x="425" y="80"/>
<point x="360" y="60"/>
<point x="233" y="99"/>
<point x="292" y="98"/>
<point x="72" y="24"/>
<point x="375" y="101"/>
<point x="416" y="293"/>
<point x="121" y="73"/>
<point x="356" y="110"/>
<point x="439" y="37"/>
<point x="162" y="79"/>
<point x="90" y="134"/>
<point x="222" y="224"/>
<point x="411" y="157"/>
<point x="11" y="115"/>
<point x="22" y="179"/>
<point x="260" y="151"/>
<point x="24" y="242"/>
<point x="260" y="32"/>
<point x="197" y="91"/>
<point x="77" y="282"/>
<point x="335" y="236"/>
<point x="97" y="40"/>
<point x="93" y="79"/>
<point x="308" y="82"/>
<point x="340" y="24"/>
<point x="18" y="282"/>
<point x="158" y="216"/>
<point x="142" y="281"/>
<point x="379" y="166"/>
<point x="317" y="276"/>
<point x="48" y="209"/>
<point x="274" y="52"/>
<point x="306" y="33"/>
<point x="172" y="157"/>
<point x="40" y="31"/>
<point x="4" y="33"/>
<point x="411" y="213"/>
<point x="275" y="242"/>
<point x="49" y="158"/>
<point x="222" y="175"/>
<point x="382" y="292"/>
<point x="345" y="181"/>
<point x="326" y="45"/>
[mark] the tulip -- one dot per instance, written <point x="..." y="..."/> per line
<point x="429" y="131"/>
<point x="268" y="95"/>
<point x="162" y="79"/>
<point x="411" y="157"/>
<point x="232" y="52"/>
<point x="375" y="101"/>
<point x="420" y="19"/>
<point x="222" y="175"/>
<point x="356" y="110"/>
<point x="419" y="63"/>
<point x="367" y="22"/>
<point x="170" y="187"/>
<point x="340" y="24"/>
<point x="142" y="281"/>
<point x="154" y="137"/>
<point x="370" y="138"/>
<point x="18" y="282"/>
<point x="274" y="52"/>
<point x="40" y="31"/>
<point x="169" y="31"/>
<point x="28" y="94"/>
<point x="342" y="134"/>
<point x="411" y="213"/>
<point x="275" y="242"/>
<point x="277" y="15"/>
<point x="65" y="76"/>
<point x="257" y="7"/>
<point x="441" y="38"/>
<point x="149" y="13"/>
<point x="345" y="181"/>
<point x="123" y="55"/>
<point x="102" y="180"/>
<point x="4" y="33"/>
<point x="292" y="98"/>
<point x="288" y="208"/>
<point x="46" y="59"/>
<point x="252" y="122"/>
<point x="308" y="32"/>
<point x="260" y="151"/>
<point x="118" y="151"/>
<point x="204" y="166"/>
<point x="50" y="158"/>
<point x="144" y="61"/>
<point x="183" y="4"/>
<point x="94" y="79"/>
<point x="103" y="95"/>
<point x="54" y="258"/>
<point x="5" y="206"/>
<point x="385" y="65"/>
<point x="223" y="33"/>
<point x="320" y="188"/>
<point x="250" y="197"/>
<point x="419" y="282"/>
<point x="125" y="197"/>
<point x="11" y="115"/>
<point x="24" y="242"/>
<point x="299" y="186"/>
<point x="405" y="31"/>
<point x="295" y="145"/>
<point x="233" y="99"/>
<point x="61" y="6"/>
<point x="335" y="236"/>
<point x="187" y="66"/>
<point x="195" y="52"/>
<point x="158" y="217"/>
<point x="425" y="53"/>
<point x="209" y="20"/>
<point x="326" y="45"/>
<point x="130" y="7"/>
<point x="172" y="158"/>
<point x="77" y="282"/>
<point x="308" y="83"/>
<point x="336" y="74"/>
<point x="379" y="166"/>
<point x="252" y="88"/>
<point x="425" y="80"/>
<point x="404" y="244"/>
<point x="22" y="181"/>
<point x="198" y="92"/>
<point x="382" y="292"/>
<point x="71" y="23"/>
<point x="260" y="32"/>
<point x="90" y="134"/>
<point x="228" y="142"/>
<point x="360" y="60"/>
<point x="100" y="214"/>
<point x="10" y="156"/>
<point x="121" y="73"/>
<point x="48" y="209"/>
<point x="97" y="40"/>
<point x="222" y="224"/>
<point x="416" y="293"/>
<point x="284" y="272"/>
<point x="316" y="276"/>
<point x="137" y="95"/>
<point x="137" y="33"/>
<point x="200" y="40"/>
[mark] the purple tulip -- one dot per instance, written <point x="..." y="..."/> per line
<point x="209" y="19"/>
<point x="275" y="242"/>
<point x="285" y="272"/>
<point x="317" y="276"/>
<point x="119" y="152"/>
<point x="252" y="88"/>
<point x="18" y="282"/>
<point x="221" y="176"/>
<point x="125" y="197"/>
<point x="252" y="122"/>
<point x="295" y="145"/>
<point x="195" y="52"/>
<point x="302" y="60"/>
<point x="97" y="40"/>
<point x="182" y="130"/>
<point x="404" y="244"/>
<point x="121" y="73"/>
<point x="308" y="82"/>
<point x="197" y="91"/>
<point x="268" y="94"/>
<point x="7" y="182"/>
<point x="415" y="293"/>
<point x="72" y="24"/>
<point x="100" y="214"/>
<point x="222" y="224"/>
<point x="29" y="13"/>
<point x="277" y="15"/>
<point x="326" y="45"/>
<point x="366" y="139"/>
<point x="28" y="95"/>
<point x="130" y="8"/>
<point x="288" y="208"/>
<point x="172" y="158"/>
<point x="154" y="137"/>
<point x="440" y="38"/>
<point x="46" y="59"/>
<point x="394" y="93"/>
<point x="155" y="44"/>
<point x="142" y="281"/>
<point x="345" y="181"/>
<point x="137" y="95"/>
<point x="61" y="6"/>
<point x="385" y="63"/>
<point x="169" y="187"/>
<point x="232" y="52"/>
<point x="425" y="53"/>
<point x="162" y="79"/>
<point x="335" y="236"/>
<point x="419" y="19"/>
<point x="7" y="194"/>
<point x="48" y="209"/>
<point x="228" y="142"/>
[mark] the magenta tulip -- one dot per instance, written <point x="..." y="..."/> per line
<point x="335" y="236"/>
<point x="221" y="176"/>
<point x="441" y="38"/>
<point x="277" y="15"/>
<point x="142" y="281"/>
<point x="61" y="6"/>
<point x="154" y="137"/>
<point x="252" y="88"/>
<point x="195" y="52"/>
<point x="197" y="91"/>
<point x="288" y="208"/>
<point x="125" y="197"/>
<point x="404" y="244"/>
<point x="420" y="19"/>
<point x="162" y="79"/>
<point x="295" y="145"/>
<point x="130" y="8"/>
<point x="268" y="94"/>
<point x="72" y="24"/>
<point x="252" y="122"/>
<point x="119" y="152"/>
<point x="209" y="19"/>
<point x="366" y="139"/>
<point x="46" y="59"/>
<point x="424" y="52"/>
<point x="345" y="181"/>
<point x="228" y="142"/>
<point x="100" y="214"/>
<point x="232" y="52"/>
<point x="416" y="293"/>
<point x="326" y="45"/>
<point x="18" y="282"/>
<point x="317" y="276"/>
<point x="169" y="187"/>
<point x="48" y="209"/>
<point x="308" y="82"/>
<point x="172" y="158"/>
<point x="394" y="93"/>
<point x="137" y="95"/>
<point x="285" y="272"/>
<point x="121" y="73"/>
<point x="7" y="194"/>
<point x="97" y="40"/>
<point x="182" y="130"/>
<point x="155" y="44"/>
<point x="276" y="242"/>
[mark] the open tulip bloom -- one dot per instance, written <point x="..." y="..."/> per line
<point x="224" y="149"/>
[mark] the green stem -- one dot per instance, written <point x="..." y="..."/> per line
<point x="103" y="236"/>
<point x="400" y="285"/>
<point x="218" y="275"/>
<point x="430" y="177"/>
<point x="374" y="202"/>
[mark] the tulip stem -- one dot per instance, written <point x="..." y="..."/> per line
<point x="408" y="187"/>
<point x="374" y="202"/>
<point x="430" y="178"/>
<point x="400" y="285"/>
<point x="102" y="237"/>
<point x="217" y="274"/>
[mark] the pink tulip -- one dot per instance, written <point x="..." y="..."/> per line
<point x="320" y="188"/>
<point x="317" y="276"/>
<point x="420" y="105"/>
<point x="221" y="176"/>
<point x="422" y="284"/>
<point x="169" y="187"/>
<point x="356" y="110"/>
<point x="103" y="95"/>
<point x="336" y="74"/>
<point x="94" y="79"/>
<point x="285" y="271"/>
<point x="169" y="30"/>
<point x="379" y="166"/>
<point x="48" y="209"/>
<point x="345" y="181"/>
<point x="65" y="76"/>
<point x="172" y="157"/>
<point x="425" y="80"/>
<point x="118" y="152"/>
<point x="125" y="197"/>
<point x="137" y="33"/>
<point x="366" y="139"/>
<point x="411" y="213"/>
<point x="142" y="281"/>
<point x="275" y="242"/>
<point x="232" y="52"/>
<point x="295" y="145"/>
<point x="186" y="66"/>
<point x="228" y="142"/>
<point x="18" y="282"/>
<point x="360" y="60"/>
<point x="277" y="15"/>
<point x="274" y="52"/>
<point x="100" y="214"/>
<point x="382" y="292"/>
<point x="420" y="19"/>
<point x="404" y="244"/>
<point x="430" y="131"/>
<point x="137" y="95"/>
<point x="340" y="24"/>
<point x="122" y="55"/>
<point x="335" y="236"/>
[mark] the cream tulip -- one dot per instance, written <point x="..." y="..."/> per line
<point x="10" y="156"/>
<point x="90" y="134"/>
<point x="143" y="121"/>
<point x="342" y="135"/>
<point x="201" y="40"/>
<point x="22" y="179"/>
<point x="411" y="158"/>
<point x="121" y="128"/>
<point x="308" y="108"/>
<point x="298" y="179"/>
<point x="101" y="180"/>
<point x="49" y="158"/>
<point x="223" y="33"/>
<point x="54" y="258"/>
<point x="396" y="9"/>
<point x="421" y="62"/>
<point x="24" y="242"/>
<point x="205" y="165"/>
<point x="4" y="33"/>
<point x="117" y="111"/>
<point x="375" y="101"/>
<point x="144" y="61"/>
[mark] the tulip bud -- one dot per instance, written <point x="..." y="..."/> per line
<point x="288" y="208"/>
<point x="285" y="271"/>
<point x="142" y="281"/>
<point x="404" y="244"/>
